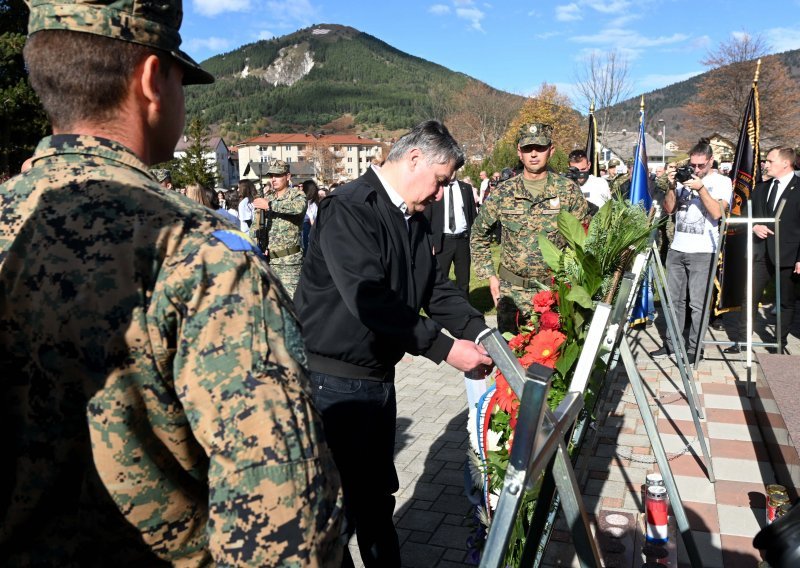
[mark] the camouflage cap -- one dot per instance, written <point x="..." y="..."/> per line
<point x="535" y="133"/>
<point x="613" y="163"/>
<point x="152" y="23"/>
<point x="161" y="175"/>
<point x="278" y="167"/>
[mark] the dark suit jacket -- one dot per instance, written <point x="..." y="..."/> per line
<point x="364" y="279"/>
<point x="790" y="220"/>
<point x="435" y="215"/>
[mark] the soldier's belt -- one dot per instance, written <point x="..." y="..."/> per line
<point x="505" y="274"/>
<point x="284" y="252"/>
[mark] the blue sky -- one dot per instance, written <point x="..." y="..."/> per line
<point x="513" y="46"/>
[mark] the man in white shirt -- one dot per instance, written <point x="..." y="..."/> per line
<point x="484" y="187"/>
<point x="698" y="204"/>
<point x="595" y="189"/>
<point x="780" y="190"/>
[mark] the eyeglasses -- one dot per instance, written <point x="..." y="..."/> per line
<point x="698" y="166"/>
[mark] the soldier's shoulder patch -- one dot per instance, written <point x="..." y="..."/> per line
<point x="235" y="240"/>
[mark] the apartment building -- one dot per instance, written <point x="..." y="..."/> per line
<point x="336" y="157"/>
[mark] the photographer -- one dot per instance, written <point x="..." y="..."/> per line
<point x="595" y="189"/>
<point x="697" y="196"/>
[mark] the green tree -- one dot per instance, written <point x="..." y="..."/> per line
<point x="193" y="167"/>
<point x="22" y="119"/>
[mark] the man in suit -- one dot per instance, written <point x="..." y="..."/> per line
<point x="451" y="220"/>
<point x="767" y="198"/>
<point x="368" y="272"/>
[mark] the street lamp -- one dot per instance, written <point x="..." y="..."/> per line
<point x="663" y="141"/>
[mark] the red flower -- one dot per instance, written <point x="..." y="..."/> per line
<point x="520" y="340"/>
<point x="544" y="347"/>
<point x="506" y="399"/>
<point x="549" y="320"/>
<point x="543" y="300"/>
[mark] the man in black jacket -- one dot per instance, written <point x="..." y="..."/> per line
<point x="451" y="220"/>
<point x="783" y="186"/>
<point x="367" y="273"/>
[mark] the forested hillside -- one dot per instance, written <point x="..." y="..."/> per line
<point x="353" y="73"/>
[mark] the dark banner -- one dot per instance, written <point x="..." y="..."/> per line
<point x="732" y="270"/>
<point x="591" y="146"/>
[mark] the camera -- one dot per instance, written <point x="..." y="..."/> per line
<point x="684" y="173"/>
<point x="576" y="175"/>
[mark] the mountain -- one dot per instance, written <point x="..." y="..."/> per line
<point x="669" y="103"/>
<point x="305" y="80"/>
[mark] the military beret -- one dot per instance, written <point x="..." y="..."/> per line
<point x="152" y="23"/>
<point x="161" y="175"/>
<point x="613" y="163"/>
<point x="535" y="133"/>
<point x="278" y="167"/>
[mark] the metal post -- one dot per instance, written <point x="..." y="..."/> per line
<point x="661" y="456"/>
<point x="688" y="381"/>
<point x="722" y="228"/>
<point x="681" y="358"/>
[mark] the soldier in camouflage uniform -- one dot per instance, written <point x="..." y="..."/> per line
<point x="155" y="408"/>
<point x="615" y="180"/>
<point x="279" y="223"/>
<point x="524" y="205"/>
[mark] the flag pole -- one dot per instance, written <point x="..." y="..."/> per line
<point x="596" y="154"/>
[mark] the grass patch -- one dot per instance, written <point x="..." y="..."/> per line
<point x="479" y="295"/>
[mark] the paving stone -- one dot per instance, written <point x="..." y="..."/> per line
<point x="421" y="520"/>
<point x="451" y="536"/>
<point x="418" y="555"/>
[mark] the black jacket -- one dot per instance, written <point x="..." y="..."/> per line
<point x="363" y="282"/>
<point x="434" y="213"/>
<point x="790" y="222"/>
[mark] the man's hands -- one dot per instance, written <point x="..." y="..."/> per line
<point x="467" y="356"/>
<point x="762" y="232"/>
<point x="695" y="184"/>
<point x="261" y="203"/>
<point x="797" y="267"/>
<point x="494" y="289"/>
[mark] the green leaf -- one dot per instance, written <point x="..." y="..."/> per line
<point x="571" y="229"/>
<point x="579" y="295"/>
<point x="550" y="253"/>
<point x="508" y="336"/>
<point x="567" y="359"/>
<point x="592" y="274"/>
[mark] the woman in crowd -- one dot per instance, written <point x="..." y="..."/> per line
<point x="247" y="193"/>
<point x="312" y="192"/>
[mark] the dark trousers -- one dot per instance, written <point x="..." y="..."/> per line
<point x="359" y="417"/>
<point x="455" y="251"/>
<point x="688" y="271"/>
<point x="763" y="274"/>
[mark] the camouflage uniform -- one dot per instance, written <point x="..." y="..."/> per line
<point x="280" y="229"/>
<point x="155" y="408"/>
<point x="522" y="218"/>
<point x="615" y="183"/>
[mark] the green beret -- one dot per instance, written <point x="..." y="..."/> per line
<point x="152" y="23"/>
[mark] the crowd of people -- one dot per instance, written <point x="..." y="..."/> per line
<point x="209" y="377"/>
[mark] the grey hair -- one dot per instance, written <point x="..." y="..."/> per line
<point x="434" y="141"/>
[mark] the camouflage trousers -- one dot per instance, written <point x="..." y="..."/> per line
<point x="288" y="274"/>
<point x="514" y="307"/>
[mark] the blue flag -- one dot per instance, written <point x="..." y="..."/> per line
<point x="640" y="194"/>
<point x="640" y="175"/>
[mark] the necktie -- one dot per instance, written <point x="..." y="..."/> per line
<point x="773" y="193"/>
<point x="451" y="210"/>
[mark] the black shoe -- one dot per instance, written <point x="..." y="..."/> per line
<point x="774" y="350"/>
<point x="717" y="326"/>
<point x="692" y="355"/>
<point x="734" y="349"/>
<point x="661" y="353"/>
